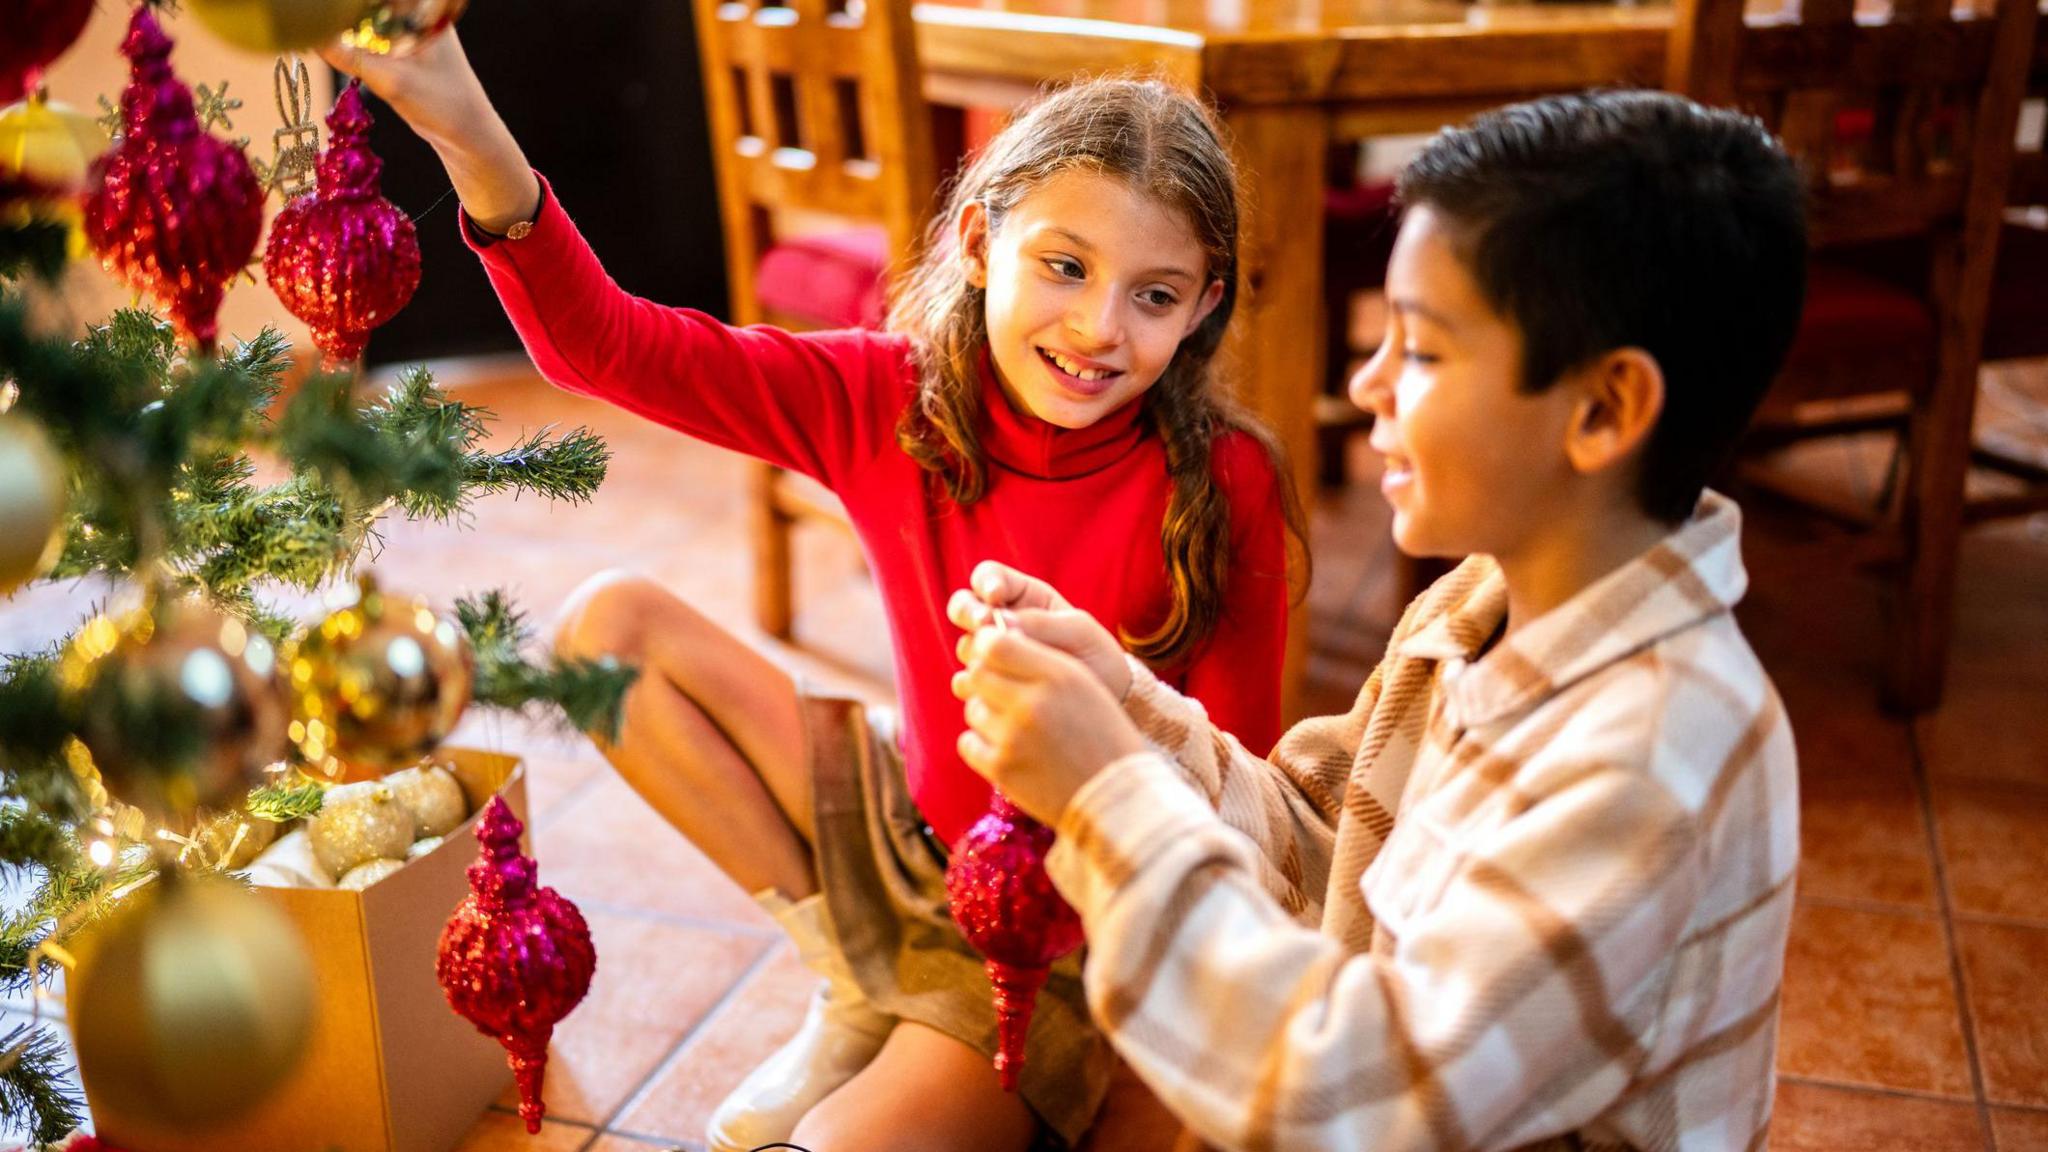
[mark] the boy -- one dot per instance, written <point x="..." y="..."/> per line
<point x="1551" y="846"/>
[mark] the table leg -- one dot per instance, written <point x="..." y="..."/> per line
<point x="1275" y="354"/>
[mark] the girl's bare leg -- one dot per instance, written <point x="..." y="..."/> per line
<point x="713" y="731"/>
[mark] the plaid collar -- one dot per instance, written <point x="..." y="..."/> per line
<point x="1689" y="576"/>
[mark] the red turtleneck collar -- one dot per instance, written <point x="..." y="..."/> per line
<point x="1023" y="443"/>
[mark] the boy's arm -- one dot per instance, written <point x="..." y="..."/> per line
<point x="1513" y="1007"/>
<point x="819" y="403"/>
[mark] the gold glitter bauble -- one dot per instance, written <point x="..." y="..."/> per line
<point x="271" y="26"/>
<point x="433" y="797"/>
<point x="180" y="707"/>
<point x="397" y="27"/>
<point x="32" y="503"/>
<point x="191" y="1002"/>
<point x="358" y="823"/>
<point x="365" y="874"/>
<point x="378" y="683"/>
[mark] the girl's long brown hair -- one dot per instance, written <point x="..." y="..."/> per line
<point x="1163" y="142"/>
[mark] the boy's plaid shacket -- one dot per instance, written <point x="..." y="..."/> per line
<point x="1554" y="910"/>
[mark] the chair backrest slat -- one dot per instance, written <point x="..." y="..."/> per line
<point x="1902" y="118"/>
<point x="816" y="108"/>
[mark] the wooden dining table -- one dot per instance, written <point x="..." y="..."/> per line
<point x="1291" y="77"/>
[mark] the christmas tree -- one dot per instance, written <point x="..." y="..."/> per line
<point x="203" y="478"/>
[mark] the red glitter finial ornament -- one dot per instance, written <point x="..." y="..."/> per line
<point x="343" y="258"/>
<point x="515" y="958"/>
<point x="1006" y="905"/>
<point x="173" y="211"/>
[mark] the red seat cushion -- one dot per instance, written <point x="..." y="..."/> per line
<point x="2017" y="323"/>
<point x="827" y="279"/>
<point x="1359" y="223"/>
<point x="1858" y="333"/>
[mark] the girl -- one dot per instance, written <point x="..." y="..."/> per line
<point x="1044" y="396"/>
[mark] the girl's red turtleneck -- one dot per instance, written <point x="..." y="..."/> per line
<point x="1081" y="508"/>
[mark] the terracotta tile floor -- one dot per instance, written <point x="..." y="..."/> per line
<point x="1914" y="1012"/>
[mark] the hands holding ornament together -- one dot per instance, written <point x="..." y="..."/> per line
<point x="437" y="93"/>
<point x="1042" y="685"/>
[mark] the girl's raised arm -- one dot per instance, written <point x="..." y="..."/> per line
<point x="437" y="93"/>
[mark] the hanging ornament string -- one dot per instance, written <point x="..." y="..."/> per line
<point x="296" y="145"/>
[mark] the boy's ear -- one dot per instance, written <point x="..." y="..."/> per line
<point x="972" y="231"/>
<point x="1621" y="395"/>
<point x="1211" y="297"/>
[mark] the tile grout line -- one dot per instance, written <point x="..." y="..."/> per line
<point x="714" y="1012"/>
<point x="1871" y="1089"/>
<point x="1932" y="827"/>
<point x="1874" y="907"/>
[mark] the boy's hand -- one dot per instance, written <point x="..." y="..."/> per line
<point x="1033" y="607"/>
<point x="1040" y="724"/>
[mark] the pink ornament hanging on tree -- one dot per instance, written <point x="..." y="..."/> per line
<point x="1006" y="905"/>
<point x="343" y="258"/>
<point x="38" y="31"/>
<point x="515" y="958"/>
<point x="172" y="210"/>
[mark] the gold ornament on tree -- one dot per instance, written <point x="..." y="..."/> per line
<point x="52" y="146"/>
<point x="180" y="707"/>
<point x="397" y="27"/>
<point x="377" y="684"/>
<point x="32" y="503"/>
<point x="190" y="1002"/>
<point x="268" y="26"/>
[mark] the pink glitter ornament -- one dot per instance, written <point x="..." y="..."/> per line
<point x="343" y="258"/>
<point x="173" y="211"/>
<point x="1007" y="907"/>
<point x="515" y="958"/>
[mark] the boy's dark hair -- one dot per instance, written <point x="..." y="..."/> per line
<point x="1619" y="219"/>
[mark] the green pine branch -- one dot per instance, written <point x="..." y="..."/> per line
<point x="282" y="802"/>
<point x="589" y="695"/>
<point x="35" y="1085"/>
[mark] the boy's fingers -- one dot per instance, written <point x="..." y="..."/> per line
<point x="1061" y="628"/>
<point x="1014" y="654"/>
<point x="966" y="610"/>
<point x="977" y="753"/>
<point x="984" y="683"/>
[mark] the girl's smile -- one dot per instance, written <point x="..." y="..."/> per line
<point x="1091" y="285"/>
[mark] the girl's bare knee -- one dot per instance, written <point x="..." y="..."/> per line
<point x="614" y="613"/>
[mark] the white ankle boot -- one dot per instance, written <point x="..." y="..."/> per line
<point x="840" y="1034"/>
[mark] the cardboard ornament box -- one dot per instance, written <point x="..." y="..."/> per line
<point x="388" y="1067"/>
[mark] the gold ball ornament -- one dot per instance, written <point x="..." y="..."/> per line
<point x="180" y="707"/>
<point x="271" y="26"/>
<point x="377" y="684"/>
<point x="49" y="142"/>
<point x="363" y="875"/>
<point x="397" y="27"/>
<point x="190" y="1003"/>
<point x="32" y="503"/>
<point x="432" y="795"/>
<point x="359" y="823"/>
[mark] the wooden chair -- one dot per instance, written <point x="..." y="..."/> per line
<point x="1943" y="90"/>
<point x="2016" y="324"/>
<point x="816" y="110"/>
